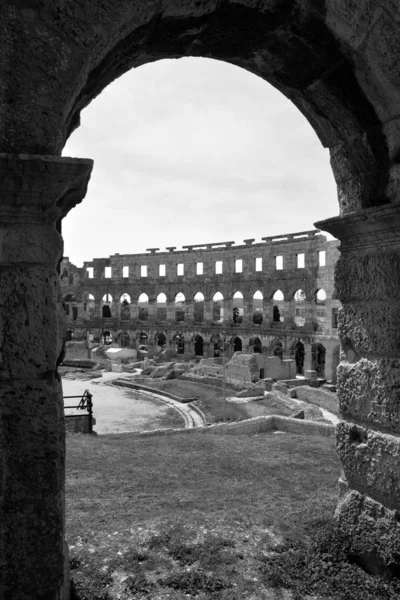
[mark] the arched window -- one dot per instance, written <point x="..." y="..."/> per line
<point x="320" y="299"/>
<point x="161" y="303"/>
<point x="107" y="338"/>
<point x="161" y="341"/>
<point x="125" y="310"/>
<point x="179" y="343"/>
<point x="180" y="308"/>
<point x="198" y="345"/>
<point x="217" y="340"/>
<point x="237" y="344"/>
<point x="124" y="339"/>
<point x="218" y="307"/>
<point x="318" y="353"/>
<point x="106" y="307"/>
<point x="258" y="302"/>
<point x="198" y="312"/>
<point x="143" y="339"/>
<point x="278" y="306"/>
<point x="300" y="308"/>
<point x="143" y="303"/>
<point x="256" y="344"/>
<point x="237" y="307"/>
<point x="299" y="353"/>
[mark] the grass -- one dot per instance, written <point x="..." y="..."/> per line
<point x="211" y="403"/>
<point x="190" y="515"/>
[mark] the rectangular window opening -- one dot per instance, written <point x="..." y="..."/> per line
<point x="125" y="271"/>
<point x="279" y="263"/>
<point x="322" y="258"/>
<point x="258" y="264"/>
<point x="199" y="268"/>
<point x="218" y="267"/>
<point x="90" y="272"/>
<point x="300" y="261"/>
<point x="180" y="269"/>
<point x="238" y="265"/>
<point x="143" y="270"/>
<point x="107" y="272"/>
<point x="161" y="270"/>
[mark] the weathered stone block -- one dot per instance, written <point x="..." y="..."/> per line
<point x="368" y="276"/>
<point x="319" y="397"/>
<point x="368" y="391"/>
<point x="370" y="461"/>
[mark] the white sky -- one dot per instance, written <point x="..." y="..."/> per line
<point x="192" y="151"/>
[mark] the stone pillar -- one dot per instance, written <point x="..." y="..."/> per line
<point x="36" y="192"/>
<point x="152" y="309"/>
<point x="368" y="437"/>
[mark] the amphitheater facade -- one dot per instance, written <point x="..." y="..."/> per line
<point x="275" y="297"/>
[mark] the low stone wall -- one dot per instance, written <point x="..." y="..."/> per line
<point x="231" y="384"/>
<point x="78" y="423"/>
<point x="81" y="363"/>
<point x="145" y="388"/>
<point x="255" y="425"/>
<point x="319" y="397"/>
<point x="77" y="350"/>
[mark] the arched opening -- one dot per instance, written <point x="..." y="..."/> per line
<point x="106" y="306"/>
<point x="161" y="342"/>
<point x="143" y="340"/>
<point x="125" y="310"/>
<point x="277" y="306"/>
<point x="276" y="348"/>
<point x="88" y="306"/>
<point x="216" y="340"/>
<point x="198" y="308"/>
<point x="218" y="307"/>
<point x="180" y="308"/>
<point x="256" y="344"/>
<point x="198" y="345"/>
<point x="124" y="339"/>
<point x="143" y="303"/>
<point x="299" y="353"/>
<point x="320" y="300"/>
<point x="318" y="353"/>
<point x="299" y="308"/>
<point x="237" y="344"/>
<point x="258" y="306"/>
<point x="161" y="303"/>
<point x="107" y="338"/>
<point x="237" y="307"/>
<point x="179" y="343"/>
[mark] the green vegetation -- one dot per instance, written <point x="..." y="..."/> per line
<point x="190" y="515"/>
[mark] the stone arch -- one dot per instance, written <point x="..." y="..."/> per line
<point x="161" y="341"/>
<point x="237" y="344"/>
<point x="276" y="347"/>
<point x="256" y="344"/>
<point x="161" y="304"/>
<point x="124" y="339"/>
<point x="320" y="300"/>
<point x="217" y="341"/>
<point x="237" y="307"/>
<point x="318" y="354"/>
<point x="198" y="309"/>
<point x="299" y="298"/>
<point x="106" y="306"/>
<point x="198" y="345"/>
<point x="299" y="355"/>
<point x="218" y="307"/>
<point x="180" y="304"/>
<point x="143" y="339"/>
<point x="106" y="337"/>
<point x="277" y="306"/>
<point x="143" y="304"/>
<point x="179" y="343"/>
<point x="125" y="307"/>
<point x="258" y="307"/>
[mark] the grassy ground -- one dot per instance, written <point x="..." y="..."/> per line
<point x="210" y="400"/>
<point x="190" y="516"/>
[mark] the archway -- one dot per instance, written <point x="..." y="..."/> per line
<point x="218" y="307"/>
<point x="161" y="341"/>
<point x="308" y="52"/>
<point x="106" y="306"/>
<point x="179" y="343"/>
<point x="276" y="348"/>
<point x="277" y="306"/>
<point x="143" y="340"/>
<point x="179" y="308"/>
<point x="125" y="310"/>
<point x="300" y="308"/>
<point x="258" y="306"/>
<point x="237" y="307"/>
<point x="198" y="345"/>
<point x="256" y="344"/>
<point x="217" y="342"/>
<point x="107" y="338"/>
<point x="161" y="303"/>
<point x="143" y="303"/>
<point x="198" y="309"/>
<point x="318" y="353"/>
<point x="299" y="353"/>
<point x="320" y="300"/>
<point x="89" y="305"/>
<point x="124" y="339"/>
<point x="237" y="344"/>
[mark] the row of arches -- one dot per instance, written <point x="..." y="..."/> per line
<point x="220" y="311"/>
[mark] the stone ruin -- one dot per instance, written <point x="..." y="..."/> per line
<point x="338" y="62"/>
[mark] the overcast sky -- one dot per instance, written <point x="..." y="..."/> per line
<point x="192" y="151"/>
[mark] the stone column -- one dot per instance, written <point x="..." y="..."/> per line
<point x="368" y="437"/>
<point x="36" y="192"/>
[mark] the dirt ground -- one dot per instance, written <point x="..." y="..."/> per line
<point x="119" y="410"/>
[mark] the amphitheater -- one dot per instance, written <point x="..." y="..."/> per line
<point x="338" y="62"/>
<point x="276" y="297"/>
